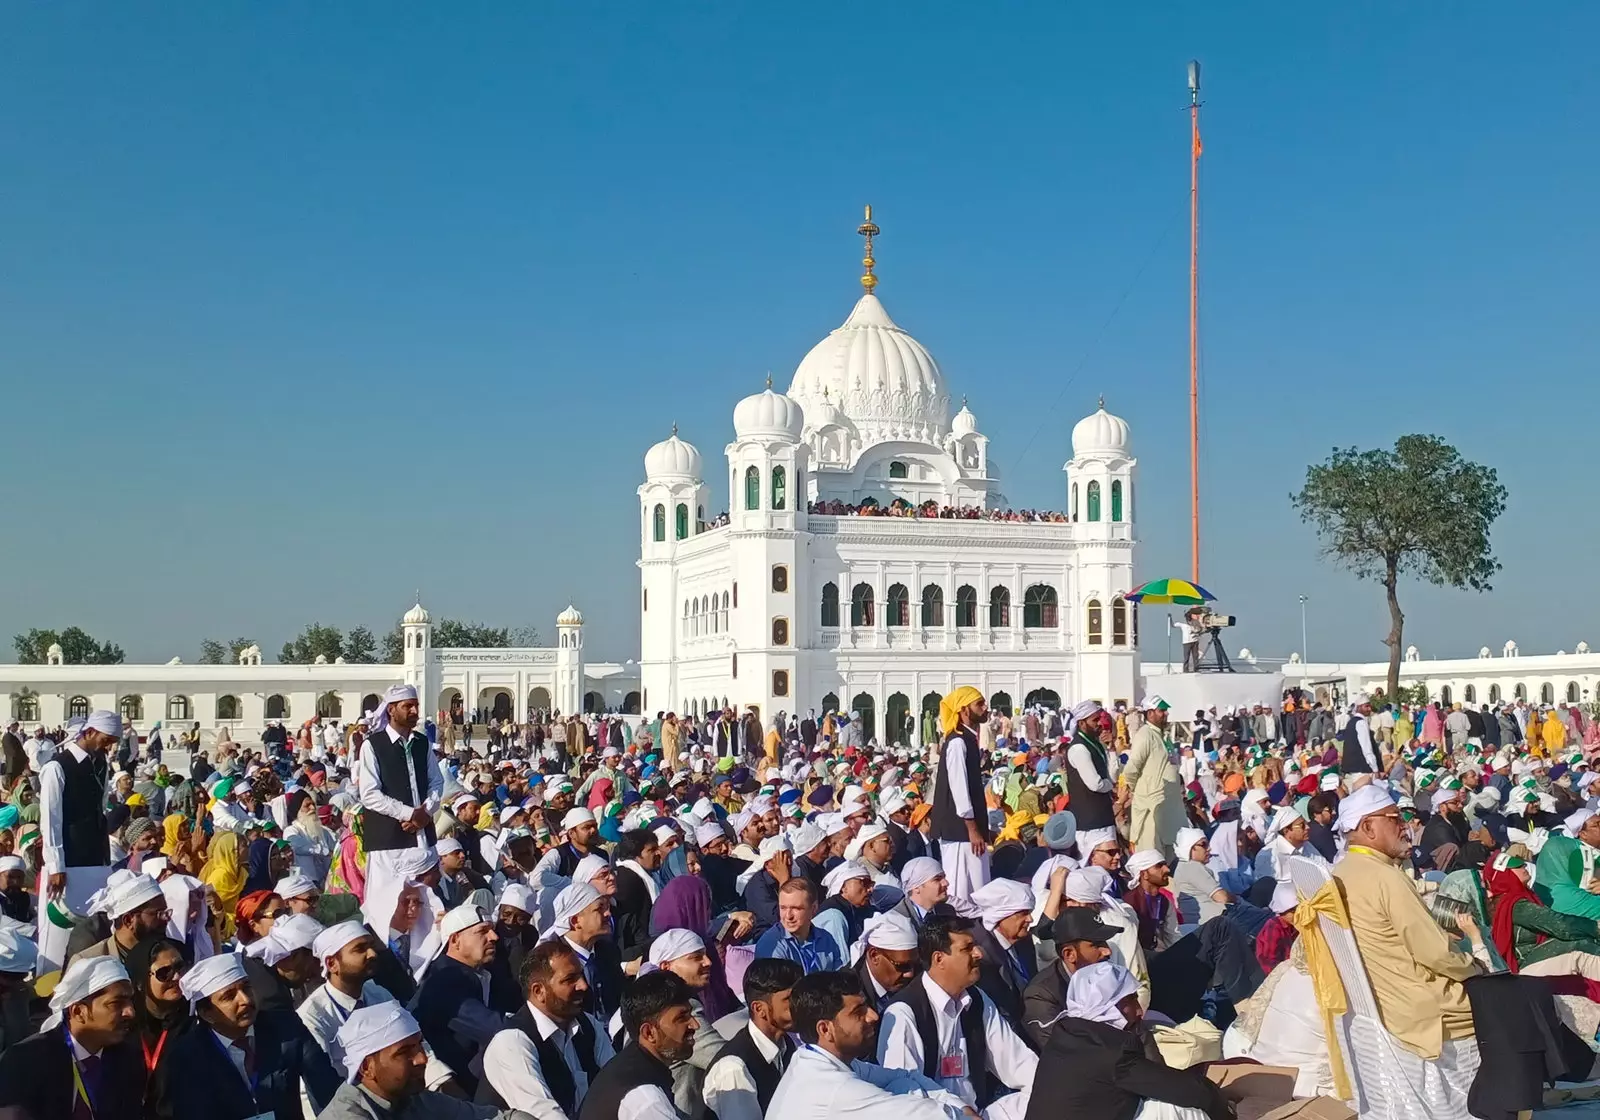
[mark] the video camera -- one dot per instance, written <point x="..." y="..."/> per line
<point x="1208" y="620"/>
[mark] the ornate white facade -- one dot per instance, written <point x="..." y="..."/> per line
<point x="786" y="607"/>
<point x="246" y="696"/>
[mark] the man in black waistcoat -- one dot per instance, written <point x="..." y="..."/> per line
<point x="72" y="827"/>
<point x="400" y="785"/>
<point x="657" y="1017"/>
<point x="960" y="815"/>
<point x="87" y="1041"/>
<point x="551" y="1051"/>
<point x="1358" y="754"/>
<point x="743" y="1076"/>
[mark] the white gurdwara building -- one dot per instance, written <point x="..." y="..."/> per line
<point x="810" y="594"/>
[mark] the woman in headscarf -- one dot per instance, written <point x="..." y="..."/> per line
<point x="160" y="1011"/>
<point x="1097" y="1063"/>
<point x="253" y="917"/>
<point x="685" y="903"/>
<point x="600" y="794"/>
<point x="310" y="839"/>
<point x="269" y="860"/>
<point x="224" y="873"/>
<point x="192" y="923"/>
<point x="347" y="872"/>
<point x="1524" y="930"/>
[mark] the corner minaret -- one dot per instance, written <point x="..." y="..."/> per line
<point x="1100" y="503"/>
<point x="416" y="631"/>
<point x="569" y="661"/>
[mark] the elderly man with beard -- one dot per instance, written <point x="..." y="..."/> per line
<point x="1448" y="828"/>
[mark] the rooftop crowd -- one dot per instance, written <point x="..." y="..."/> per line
<point x="1078" y="912"/>
<point x="899" y="507"/>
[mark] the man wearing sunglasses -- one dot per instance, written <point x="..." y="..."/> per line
<point x="136" y="908"/>
<point x="890" y="960"/>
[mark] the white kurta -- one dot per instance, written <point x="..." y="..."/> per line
<point x="818" y="1086"/>
<point x="81" y="881"/>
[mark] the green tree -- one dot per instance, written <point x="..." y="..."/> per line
<point x="315" y="640"/>
<point x="77" y="647"/>
<point x="213" y="652"/>
<point x="1420" y="510"/>
<point x="360" y="647"/>
<point x="453" y="634"/>
<point x="393" y="650"/>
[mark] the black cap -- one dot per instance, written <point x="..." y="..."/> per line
<point x="1080" y="923"/>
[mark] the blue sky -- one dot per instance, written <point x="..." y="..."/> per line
<point x="307" y="306"/>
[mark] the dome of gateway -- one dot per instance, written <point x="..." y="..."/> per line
<point x="1100" y="433"/>
<point x="672" y="458"/>
<point x="768" y="414"/>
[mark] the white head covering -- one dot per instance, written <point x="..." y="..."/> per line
<point x="918" y="871"/>
<point x="1140" y="862"/>
<point x="1095" y="990"/>
<point x="520" y="896"/>
<point x="998" y="899"/>
<point x="708" y="833"/>
<point x="571" y="901"/>
<point x="288" y="934"/>
<point x="1284" y="897"/>
<point x="892" y="802"/>
<point x="152" y="866"/>
<point x="17" y="953"/>
<point x="371" y="1029"/>
<point x="1081" y="711"/>
<point x="1363" y="802"/>
<point x="1577" y="819"/>
<point x="1088" y="884"/>
<point x="1281" y="820"/>
<point x="575" y="817"/>
<point x="869" y="832"/>
<point x="125" y="891"/>
<point x="335" y="938"/>
<point x="1187" y="839"/>
<point x="84" y="977"/>
<point x="832" y="823"/>
<point x="294" y="885"/>
<point x="379" y="905"/>
<point x="770" y="847"/>
<point x="108" y="723"/>
<point x="1090" y="839"/>
<point x="588" y="867"/>
<point x="1328" y="781"/>
<point x="446" y="846"/>
<point x="378" y="719"/>
<point x="885" y="931"/>
<point x="212" y="975"/>
<point x="806" y="837"/>
<point x="833" y="882"/>
<point x="1443" y="796"/>
<point x="675" y="943"/>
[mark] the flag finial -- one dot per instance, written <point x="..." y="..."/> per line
<point x="868" y="230"/>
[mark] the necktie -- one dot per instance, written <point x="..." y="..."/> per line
<point x="89" y="1072"/>
<point x="402" y="949"/>
<point x="247" y="1047"/>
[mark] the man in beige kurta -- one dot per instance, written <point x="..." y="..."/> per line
<point x="1156" y="812"/>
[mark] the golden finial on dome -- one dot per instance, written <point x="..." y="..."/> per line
<point x="868" y="230"/>
<point x="1102" y="401"/>
<point x="769" y="379"/>
<point x="674" y="429"/>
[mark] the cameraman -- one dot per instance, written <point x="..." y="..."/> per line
<point x="1189" y="628"/>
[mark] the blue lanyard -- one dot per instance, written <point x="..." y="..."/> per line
<point x="80" y="1084"/>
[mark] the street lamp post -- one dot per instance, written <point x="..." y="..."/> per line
<point x="1304" y="656"/>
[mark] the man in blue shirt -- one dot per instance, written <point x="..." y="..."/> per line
<point x="794" y="937"/>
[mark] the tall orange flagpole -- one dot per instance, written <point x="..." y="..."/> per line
<point x="1194" y="320"/>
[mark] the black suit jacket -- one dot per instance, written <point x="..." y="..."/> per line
<point x="390" y="972"/>
<point x="1094" y="1069"/>
<point x="206" y="1085"/>
<point x="998" y="977"/>
<point x="36" y="1077"/>
<point x="631" y="907"/>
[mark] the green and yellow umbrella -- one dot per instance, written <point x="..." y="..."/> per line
<point x="1179" y="591"/>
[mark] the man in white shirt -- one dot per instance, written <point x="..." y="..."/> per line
<point x="75" y="848"/>
<point x="637" y="1083"/>
<point x="830" y="1077"/>
<point x="39" y="750"/>
<point x="399" y="783"/>
<point x="746" y="1071"/>
<point x="963" y="1020"/>
<point x="543" y="1062"/>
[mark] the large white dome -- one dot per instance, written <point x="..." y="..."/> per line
<point x="1100" y="433"/>
<point x="672" y="458"/>
<point x="880" y="377"/>
<point x="768" y="414"/>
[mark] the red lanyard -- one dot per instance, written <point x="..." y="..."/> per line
<point x="151" y="1058"/>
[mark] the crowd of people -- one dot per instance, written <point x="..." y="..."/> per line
<point x="1079" y="912"/>
<point x="899" y="507"/>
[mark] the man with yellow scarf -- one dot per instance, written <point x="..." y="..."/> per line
<point x="960" y="819"/>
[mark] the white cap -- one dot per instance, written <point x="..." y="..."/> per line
<point x="1362" y="803"/>
<point x="289" y="934"/>
<point x="335" y="938"/>
<point x="919" y="870"/>
<point x="371" y="1029"/>
<point x="294" y="885"/>
<point x="519" y="896"/>
<point x="833" y="882"/>
<point x="869" y="832"/>
<point x="571" y="901"/>
<point x="1140" y="862"/>
<point x="771" y="846"/>
<point x="84" y="977"/>
<point x="17" y="953"/>
<point x="443" y="848"/>
<point x="708" y="833"/>
<point x="999" y="899"/>
<point x="674" y="943"/>
<point x="575" y="817"/>
<point x="1087" y="884"/>
<point x="211" y="975"/>
<point x="125" y="891"/>
<point x="1187" y="839"/>
<point x="462" y="917"/>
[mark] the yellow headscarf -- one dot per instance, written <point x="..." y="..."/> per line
<point x="950" y="707"/>
<point x="223" y="870"/>
<point x="170" y="824"/>
<point x="486" y="817"/>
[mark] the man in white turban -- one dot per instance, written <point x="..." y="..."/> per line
<point x="76" y="849"/>
<point x="1005" y="909"/>
<point x="136" y="908"/>
<point x="926" y="891"/>
<point x="399" y="783"/>
<point x="91" y="1011"/>
<point x="1151" y="774"/>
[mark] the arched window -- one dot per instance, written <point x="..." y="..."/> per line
<point x="25" y="706"/>
<point x="830" y="604"/>
<point x="1520" y="692"/>
<point x="780" y="682"/>
<point x="1119" y="621"/>
<point x="898" y="612"/>
<point x="1133" y="615"/>
<point x="861" y="605"/>
<point x="178" y="707"/>
<point x="897" y="469"/>
<point x="1000" y="702"/>
<point x="78" y="707"/>
<point x="1096" y="629"/>
<point x="329" y="706"/>
<point x="1494" y="694"/>
<point x="1547" y="693"/>
<point x="724" y="610"/>
<point x="686" y="618"/>
<point x="277" y="706"/>
<point x="227" y="707"/>
<point x="1039" y="607"/>
<point x="966" y="605"/>
<point x="1572" y="692"/>
<point x="683" y="521"/>
<point x="752" y="488"/>
<point x="1093" y="500"/>
<point x="897" y="725"/>
<point x="1446" y="697"/>
<point x="869" y="723"/>
<point x="1116" y="500"/>
<point x="1074" y="501"/>
<point x="830" y="703"/>
<point x="778" y="488"/>
<point x="780" y="631"/>
<point x="1469" y="694"/>
<point x="1000" y="607"/>
<point x="780" y="578"/>
<point x="932" y="606"/>
<point x="658" y="522"/>
<point x="131" y="708"/>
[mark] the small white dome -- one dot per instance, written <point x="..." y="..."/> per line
<point x="572" y="616"/>
<point x="964" y="423"/>
<point x="54" y="650"/>
<point x="768" y="414"/>
<point x="1100" y="433"/>
<point x="672" y="458"/>
<point x="416" y="616"/>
